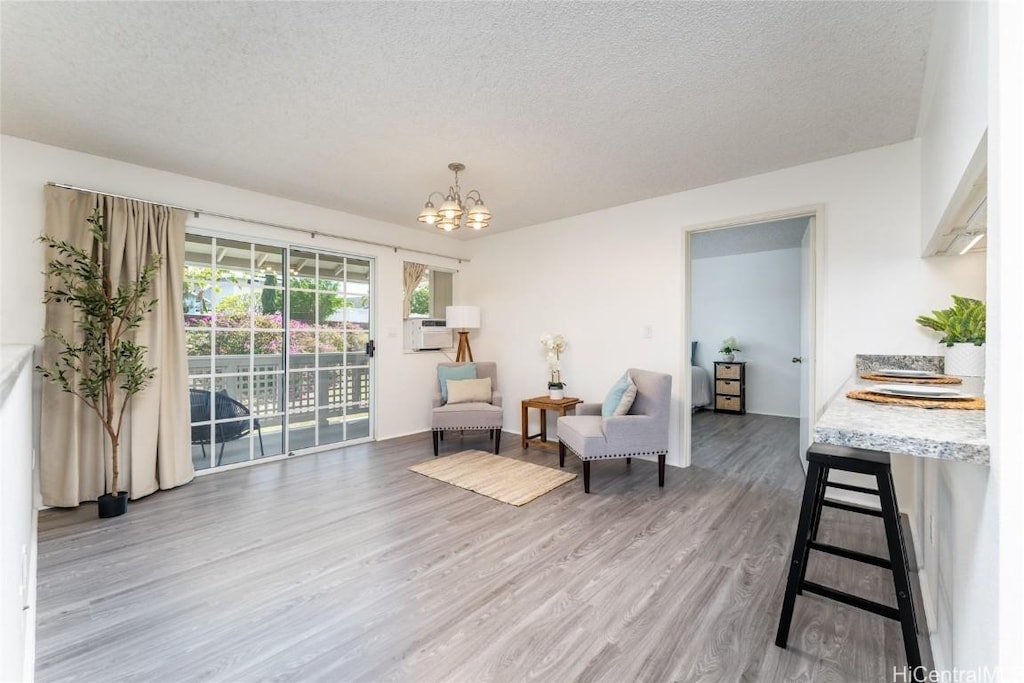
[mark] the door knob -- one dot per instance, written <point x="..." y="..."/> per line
<point x="797" y="359"/>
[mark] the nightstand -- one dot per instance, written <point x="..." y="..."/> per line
<point x="731" y="388"/>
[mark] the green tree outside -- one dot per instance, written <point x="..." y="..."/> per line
<point x="270" y="298"/>
<point x="420" y="303"/>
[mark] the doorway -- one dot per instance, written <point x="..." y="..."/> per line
<point x="752" y="280"/>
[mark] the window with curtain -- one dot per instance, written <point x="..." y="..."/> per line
<point x="426" y="291"/>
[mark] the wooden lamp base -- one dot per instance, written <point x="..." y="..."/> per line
<point x="464" y="350"/>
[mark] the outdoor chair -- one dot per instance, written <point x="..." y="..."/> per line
<point x="225" y="408"/>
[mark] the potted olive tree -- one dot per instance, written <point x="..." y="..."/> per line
<point x="963" y="333"/>
<point x="101" y="364"/>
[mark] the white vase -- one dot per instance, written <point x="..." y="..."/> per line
<point x="965" y="360"/>
<point x="556" y="394"/>
<point x="728" y="357"/>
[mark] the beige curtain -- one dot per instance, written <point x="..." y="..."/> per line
<point x="74" y="460"/>
<point x="412" y="273"/>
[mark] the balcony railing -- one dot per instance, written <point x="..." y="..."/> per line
<point x="341" y="380"/>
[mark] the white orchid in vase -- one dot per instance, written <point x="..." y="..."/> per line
<point x="554" y="345"/>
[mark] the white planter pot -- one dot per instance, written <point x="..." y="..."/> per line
<point x="556" y="394"/>
<point x="965" y="360"/>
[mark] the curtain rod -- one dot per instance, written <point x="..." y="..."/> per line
<point x="311" y="233"/>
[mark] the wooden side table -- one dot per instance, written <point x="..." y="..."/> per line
<point x="544" y="404"/>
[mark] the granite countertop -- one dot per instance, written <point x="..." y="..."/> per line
<point x="944" y="434"/>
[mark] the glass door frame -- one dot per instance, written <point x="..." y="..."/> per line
<point x="317" y="368"/>
<point x="287" y="247"/>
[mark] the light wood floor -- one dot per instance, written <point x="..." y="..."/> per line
<point x="345" y="566"/>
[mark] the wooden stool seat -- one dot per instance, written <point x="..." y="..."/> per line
<point x="821" y="458"/>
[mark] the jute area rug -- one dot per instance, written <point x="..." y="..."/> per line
<point x="511" y="481"/>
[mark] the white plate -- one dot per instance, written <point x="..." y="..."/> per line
<point x="914" y="374"/>
<point x="918" y="391"/>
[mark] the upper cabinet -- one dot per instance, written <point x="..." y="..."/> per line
<point x="952" y="127"/>
<point x="963" y="226"/>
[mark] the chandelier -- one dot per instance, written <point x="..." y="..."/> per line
<point x="453" y="213"/>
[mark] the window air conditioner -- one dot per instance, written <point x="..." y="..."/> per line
<point x="427" y="334"/>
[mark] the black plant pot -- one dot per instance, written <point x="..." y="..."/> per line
<point x="113" y="506"/>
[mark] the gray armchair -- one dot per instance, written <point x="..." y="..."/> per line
<point x="463" y="416"/>
<point x="643" y="431"/>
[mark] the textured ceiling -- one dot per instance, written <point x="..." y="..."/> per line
<point x="556" y="108"/>
<point x="747" y="239"/>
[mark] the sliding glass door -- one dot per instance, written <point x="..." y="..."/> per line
<point x="328" y="363"/>
<point x="278" y="349"/>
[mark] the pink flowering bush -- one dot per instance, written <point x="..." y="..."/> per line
<point x="268" y="337"/>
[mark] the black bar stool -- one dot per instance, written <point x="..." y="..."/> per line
<point x="820" y="459"/>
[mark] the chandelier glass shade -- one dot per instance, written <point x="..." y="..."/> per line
<point x="455" y="211"/>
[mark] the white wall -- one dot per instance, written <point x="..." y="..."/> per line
<point x="404" y="381"/>
<point x="756" y="299"/>
<point x="1006" y="327"/>
<point x="958" y="562"/>
<point x="952" y="123"/>
<point x="602" y="277"/>
<point x="954" y="104"/>
<point x="17" y="510"/>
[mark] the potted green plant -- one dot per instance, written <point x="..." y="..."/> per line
<point x="101" y="364"/>
<point x="728" y="349"/>
<point x="555" y="345"/>
<point x="963" y="332"/>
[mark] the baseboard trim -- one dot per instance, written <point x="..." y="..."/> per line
<point x="761" y="412"/>
<point x="391" y="437"/>
<point x="427" y="431"/>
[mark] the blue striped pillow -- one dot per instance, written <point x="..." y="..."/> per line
<point x="620" y="397"/>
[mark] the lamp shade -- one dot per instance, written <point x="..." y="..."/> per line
<point x="479" y="212"/>
<point x="450" y="208"/>
<point x="462" y="317"/>
<point x="428" y="215"/>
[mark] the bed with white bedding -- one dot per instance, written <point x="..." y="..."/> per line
<point x="700" y="382"/>
<point x="701" y="387"/>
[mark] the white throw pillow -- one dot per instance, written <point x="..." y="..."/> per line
<point x="469" y="390"/>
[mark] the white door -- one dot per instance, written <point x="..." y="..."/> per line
<point x="806" y="358"/>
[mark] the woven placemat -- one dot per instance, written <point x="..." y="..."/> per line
<point x="976" y="403"/>
<point x="941" y="379"/>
